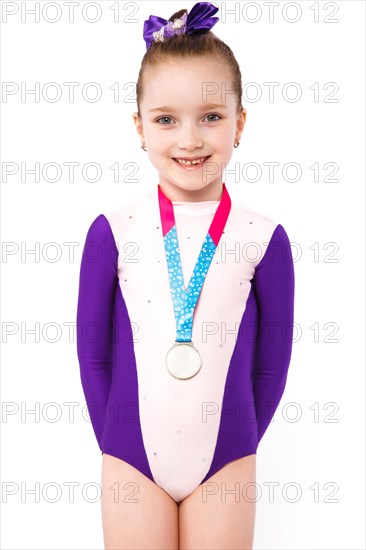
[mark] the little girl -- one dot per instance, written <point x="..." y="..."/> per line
<point x="185" y="311"/>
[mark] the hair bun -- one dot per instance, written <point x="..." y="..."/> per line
<point x="177" y="15"/>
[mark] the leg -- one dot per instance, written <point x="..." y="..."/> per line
<point x="220" y="513"/>
<point x="136" y="512"/>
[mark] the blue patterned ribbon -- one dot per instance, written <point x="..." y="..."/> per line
<point x="185" y="300"/>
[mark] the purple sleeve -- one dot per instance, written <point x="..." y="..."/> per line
<point x="97" y="283"/>
<point x="274" y="287"/>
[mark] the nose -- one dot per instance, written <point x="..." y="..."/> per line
<point x="189" y="137"/>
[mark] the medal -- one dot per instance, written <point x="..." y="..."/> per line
<point x="183" y="360"/>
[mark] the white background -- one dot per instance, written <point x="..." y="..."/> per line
<point x="316" y="441"/>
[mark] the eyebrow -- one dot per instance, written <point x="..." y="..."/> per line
<point x="203" y="107"/>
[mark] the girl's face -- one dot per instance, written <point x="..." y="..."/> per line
<point x="188" y="111"/>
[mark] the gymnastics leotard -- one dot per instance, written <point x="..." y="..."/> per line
<point x="180" y="432"/>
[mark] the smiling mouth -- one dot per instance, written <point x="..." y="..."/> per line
<point x="193" y="162"/>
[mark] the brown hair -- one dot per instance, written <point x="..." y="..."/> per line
<point x="190" y="45"/>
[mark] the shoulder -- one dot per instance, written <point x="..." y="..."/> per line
<point x="254" y="217"/>
<point x="127" y="207"/>
<point x="265" y="233"/>
<point x="133" y="213"/>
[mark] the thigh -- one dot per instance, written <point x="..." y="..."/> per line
<point x="220" y="513"/>
<point x="136" y="513"/>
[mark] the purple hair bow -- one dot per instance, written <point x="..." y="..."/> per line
<point x="199" y="18"/>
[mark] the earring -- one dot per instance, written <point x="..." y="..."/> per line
<point x="236" y="144"/>
<point x="143" y="147"/>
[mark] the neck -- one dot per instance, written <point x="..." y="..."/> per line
<point x="208" y="193"/>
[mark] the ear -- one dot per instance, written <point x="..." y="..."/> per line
<point x="240" y="123"/>
<point x="139" y="128"/>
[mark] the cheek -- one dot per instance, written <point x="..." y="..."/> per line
<point x="159" y="152"/>
<point x="223" y="143"/>
<point x="159" y="141"/>
<point x="224" y="135"/>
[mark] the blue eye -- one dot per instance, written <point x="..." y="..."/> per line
<point x="162" y="118"/>
<point x="212" y="114"/>
<point x="168" y="117"/>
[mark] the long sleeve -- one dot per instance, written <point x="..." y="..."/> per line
<point x="274" y="287"/>
<point x="98" y="279"/>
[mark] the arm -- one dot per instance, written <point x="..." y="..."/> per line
<point x="98" y="278"/>
<point x="274" y="288"/>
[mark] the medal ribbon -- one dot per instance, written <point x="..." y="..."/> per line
<point x="185" y="300"/>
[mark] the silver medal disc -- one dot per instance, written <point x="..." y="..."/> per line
<point x="183" y="360"/>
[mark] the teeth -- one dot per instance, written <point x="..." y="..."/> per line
<point x="189" y="162"/>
